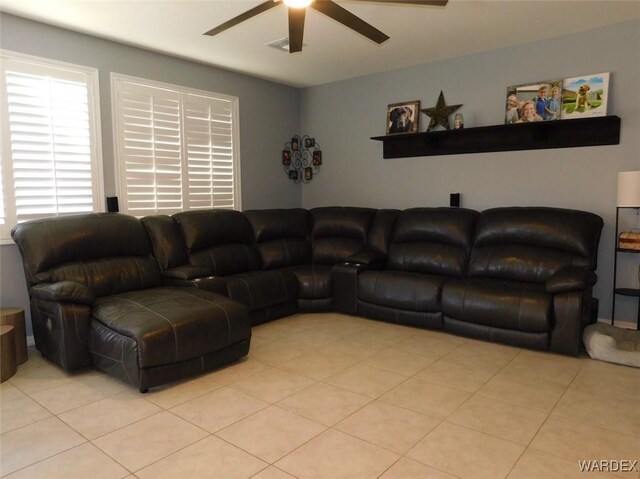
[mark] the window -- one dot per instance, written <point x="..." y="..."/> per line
<point x="177" y="149"/>
<point x="50" y="156"/>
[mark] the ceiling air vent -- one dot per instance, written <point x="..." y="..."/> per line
<point x="281" y="45"/>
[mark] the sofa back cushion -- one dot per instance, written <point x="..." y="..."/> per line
<point x="381" y="231"/>
<point x="167" y="241"/>
<point x="282" y="236"/>
<point x="109" y="253"/>
<point x="219" y="240"/>
<point x="339" y="232"/>
<point x="432" y="241"/>
<point x="531" y="243"/>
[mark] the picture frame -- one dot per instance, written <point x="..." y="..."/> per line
<point x="286" y="157"/>
<point x="534" y="101"/>
<point x="403" y="117"/>
<point x="316" y="158"/>
<point x="295" y="144"/>
<point x="585" y="96"/>
<point x="309" y="142"/>
<point x="308" y="173"/>
<point x="293" y="175"/>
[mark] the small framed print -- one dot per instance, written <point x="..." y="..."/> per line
<point x="309" y="142"/>
<point x="293" y="174"/>
<point x="317" y="158"/>
<point x="295" y="144"/>
<point x="308" y="173"/>
<point x="403" y="117"/>
<point x="286" y="157"/>
<point x="585" y="96"/>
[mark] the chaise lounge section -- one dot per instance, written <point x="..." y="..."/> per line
<point x="97" y="297"/>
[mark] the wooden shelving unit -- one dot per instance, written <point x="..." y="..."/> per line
<point x="632" y="292"/>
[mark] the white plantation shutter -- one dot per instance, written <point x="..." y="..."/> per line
<point x="210" y="152"/>
<point x="51" y="163"/>
<point x="176" y="148"/>
<point x="3" y="219"/>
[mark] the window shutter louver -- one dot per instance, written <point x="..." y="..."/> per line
<point x="51" y="163"/>
<point x="175" y="149"/>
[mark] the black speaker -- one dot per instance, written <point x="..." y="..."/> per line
<point x="112" y="204"/>
<point x="454" y="200"/>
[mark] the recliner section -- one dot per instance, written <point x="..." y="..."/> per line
<point x="217" y="251"/>
<point x="523" y="262"/>
<point x="428" y="247"/>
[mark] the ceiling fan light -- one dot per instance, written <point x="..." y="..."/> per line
<point x="297" y="3"/>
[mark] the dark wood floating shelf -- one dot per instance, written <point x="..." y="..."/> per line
<point x="627" y="250"/>
<point x="603" y="130"/>
<point x="627" y="292"/>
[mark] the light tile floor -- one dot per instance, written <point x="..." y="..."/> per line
<point x="329" y="396"/>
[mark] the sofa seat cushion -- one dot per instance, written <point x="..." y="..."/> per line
<point x="171" y="325"/>
<point x="314" y="281"/>
<point x="500" y="304"/>
<point x="401" y="290"/>
<point x="262" y="289"/>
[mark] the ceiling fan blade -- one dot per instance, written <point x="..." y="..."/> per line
<point x="437" y="3"/>
<point x="263" y="7"/>
<point x="296" y="29"/>
<point x="348" y="19"/>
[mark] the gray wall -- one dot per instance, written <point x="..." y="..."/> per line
<point x="269" y="114"/>
<point x="343" y="115"/>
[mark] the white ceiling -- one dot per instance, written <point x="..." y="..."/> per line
<point x="332" y="52"/>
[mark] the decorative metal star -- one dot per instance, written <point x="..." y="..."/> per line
<point x="439" y="114"/>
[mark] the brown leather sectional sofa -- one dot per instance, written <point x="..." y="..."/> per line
<point x="157" y="299"/>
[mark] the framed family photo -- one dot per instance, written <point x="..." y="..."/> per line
<point x="286" y="157"/>
<point x="403" y="117"/>
<point x="536" y="101"/>
<point x="585" y="96"/>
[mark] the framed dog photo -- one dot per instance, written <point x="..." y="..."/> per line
<point x="585" y="96"/>
<point x="403" y="117"/>
<point x="530" y="102"/>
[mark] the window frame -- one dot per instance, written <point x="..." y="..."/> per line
<point x="118" y="140"/>
<point x="95" y="131"/>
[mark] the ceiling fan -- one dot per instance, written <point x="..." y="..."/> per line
<point x="298" y="9"/>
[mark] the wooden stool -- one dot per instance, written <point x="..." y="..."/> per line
<point x="8" y="364"/>
<point x="15" y="317"/>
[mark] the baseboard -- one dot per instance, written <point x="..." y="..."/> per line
<point x="619" y="323"/>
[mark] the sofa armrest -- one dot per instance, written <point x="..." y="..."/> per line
<point x="186" y="272"/>
<point x="64" y="292"/>
<point x="367" y="257"/>
<point x="569" y="279"/>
